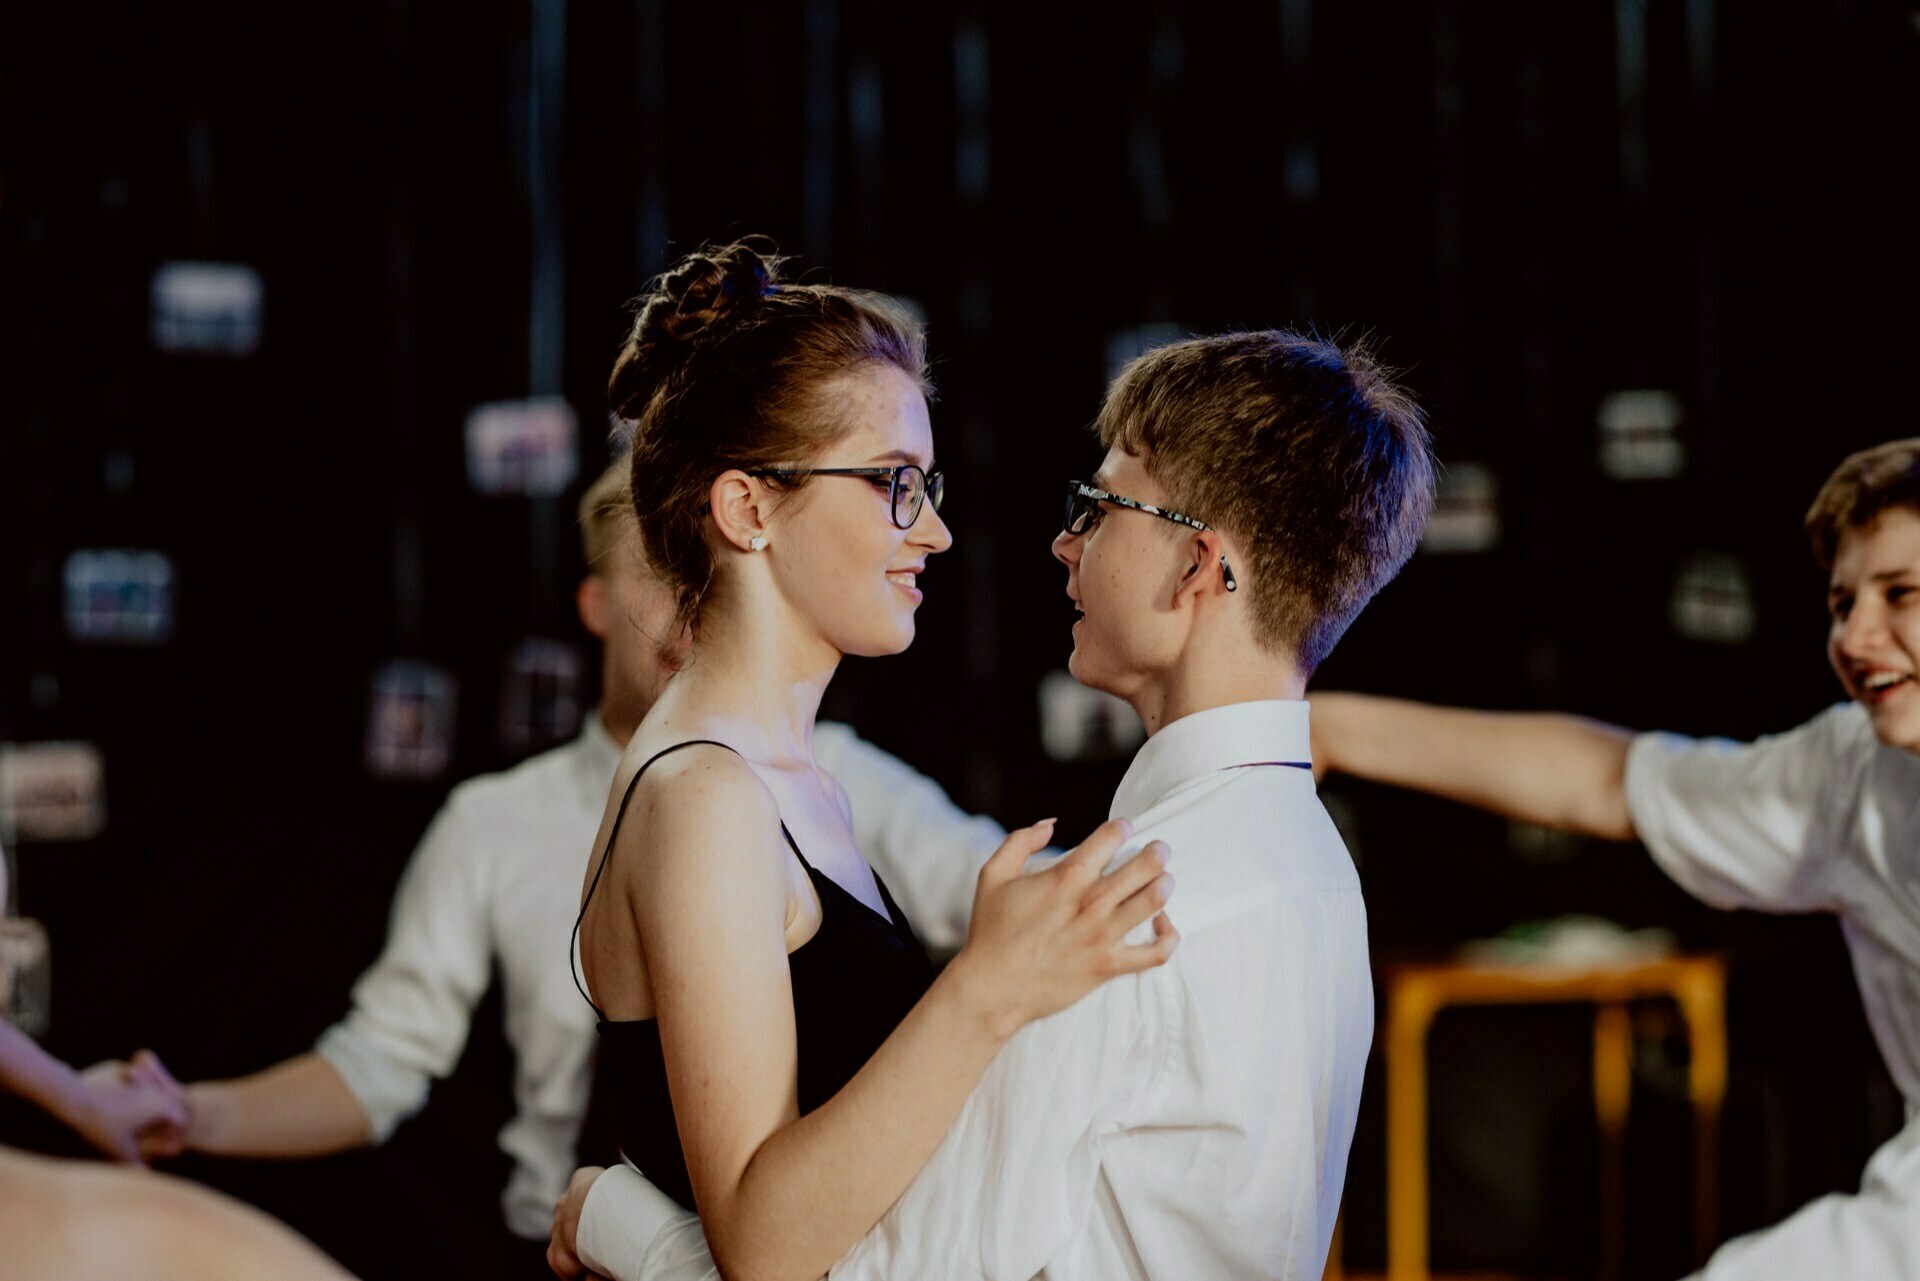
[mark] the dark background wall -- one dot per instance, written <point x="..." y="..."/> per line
<point x="1529" y="207"/>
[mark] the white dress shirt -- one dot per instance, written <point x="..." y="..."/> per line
<point x="497" y="878"/>
<point x="1823" y="818"/>
<point x="1188" y="1123"/>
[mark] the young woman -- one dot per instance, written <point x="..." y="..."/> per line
<point x="760" y="996"/>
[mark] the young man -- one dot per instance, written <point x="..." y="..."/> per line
<point x="1822" y="818"/>
<point x="496" y="880"/>
<point x="1192" y="1122"/>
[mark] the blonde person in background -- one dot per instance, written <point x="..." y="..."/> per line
<point x="1821" y="818"/>
<point x="496" y="883"/>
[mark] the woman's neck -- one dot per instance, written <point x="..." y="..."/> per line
<point x="754" y="680"/>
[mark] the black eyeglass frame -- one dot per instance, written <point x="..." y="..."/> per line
<point x="1078" y="489"/>
<point x="933" y="484"/>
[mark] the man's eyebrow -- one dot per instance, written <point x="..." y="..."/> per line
<point x="898" y="456"/>
<point x="1100" y="480"/>
<point x="1888" y="575"/>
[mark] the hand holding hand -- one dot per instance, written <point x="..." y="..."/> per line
<point x="561" y="1257"/>
<point x="1040" y="942"/>
<point x="119" y="1105"/>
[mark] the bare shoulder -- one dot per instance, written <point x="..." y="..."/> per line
<point x="702" y="806"/>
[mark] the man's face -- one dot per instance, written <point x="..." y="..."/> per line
<point x="1122" y="573"/>
<point x="1874" y="642"/>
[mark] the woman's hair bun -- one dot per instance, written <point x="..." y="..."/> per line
<point x="706" y="290"/>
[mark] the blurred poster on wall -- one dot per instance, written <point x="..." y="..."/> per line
<point x="206" y="308"/>
<point x="1712" y="599"/>
<point x="26" y="975"/>
<point x="1082" y="724"/>
<point x="528" y="447"/>
<point x="1466" y="511"/>
<point x="540" y="698"/>
<point x="1639" y="435"/>
<point x="1125" y="344"/>
<point x="52" y="791"/>
<point x="410" y="720"/>
<point x="119" y="597"/>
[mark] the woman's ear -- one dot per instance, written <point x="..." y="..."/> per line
<point x="739" y="505"/>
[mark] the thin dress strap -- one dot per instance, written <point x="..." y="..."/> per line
<point x="574" y="940"/>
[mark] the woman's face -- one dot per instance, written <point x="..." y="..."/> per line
<point x="839" y="559"/>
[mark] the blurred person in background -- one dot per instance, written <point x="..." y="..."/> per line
<point x="496" y="881"/>
<point x="81" y="1221"/>
<point x="1821" y="818"/>
<point x="1190" y="1122"/>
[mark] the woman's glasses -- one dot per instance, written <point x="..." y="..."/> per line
<point x="909" y="486"/>
<point x="1083" y="508"/>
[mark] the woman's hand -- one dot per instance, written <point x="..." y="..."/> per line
<point x="1039" y="943"/>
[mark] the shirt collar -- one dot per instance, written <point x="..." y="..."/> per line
<point x="1263" y="733"/>
<point x="599" y="754"/>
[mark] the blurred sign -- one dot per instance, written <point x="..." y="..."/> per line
<point x="26" y="974"/>
<point x="410" y="720"/>
<point x="207" y="308"/>
<point x="1081" y="724"/>
<point x="52" y="791"/>
<point x="1125" y="345"/>
<point x="540" y="705"/>
<point x="1466" y="510"/>
<point x="118" y="597"/>
<point x="1639" y="435"/>
<point x="526" y="447"/>
<point x="1712" y="600"/>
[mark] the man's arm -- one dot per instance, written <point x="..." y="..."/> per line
<point x="928" y="849"/>
<point x="410" y="1017"/>
<point x="1538" y="767"/>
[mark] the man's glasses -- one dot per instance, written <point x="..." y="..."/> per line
<point x="909" y="486"/>
<point x="1083" y="508"/>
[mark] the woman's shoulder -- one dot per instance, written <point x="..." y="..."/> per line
<point x="680" y="791"/>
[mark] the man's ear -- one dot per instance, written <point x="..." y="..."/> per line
<point x="739" y="505"/>
<point x="590" y="598"/>
<point x="1205" y="570"/>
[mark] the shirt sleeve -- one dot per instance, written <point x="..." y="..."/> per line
<point x="1747" y="824"/>
<point x="927" y="849"/>
<point x="632" y="1231"/>
<point x="412" y="1010"/>
<point x="1014" y="1181"/>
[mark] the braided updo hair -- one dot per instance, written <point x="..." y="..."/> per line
<point x="726" y="367"/>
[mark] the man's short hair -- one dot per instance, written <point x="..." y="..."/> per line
<point x="1864" y="485"/>
<point x="1308" y="454"/>
<point x="606" y="515"/>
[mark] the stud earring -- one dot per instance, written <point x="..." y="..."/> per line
<point x="758" y="543"/>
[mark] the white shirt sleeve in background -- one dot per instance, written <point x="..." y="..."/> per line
<point x="927" y="849"/>
<point x="1754" y="825"/>
<point x="412" y="1010"/>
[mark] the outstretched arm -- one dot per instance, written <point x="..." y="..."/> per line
<point x="1538" y="767"/>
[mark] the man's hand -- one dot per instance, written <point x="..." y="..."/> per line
<point x="566" y="1224"/>
<point x="119" y="1107"/>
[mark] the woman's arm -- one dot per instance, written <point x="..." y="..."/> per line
<point x="781" y="1195"/>
<point x="106" y="1105"/>
<point x="1539" y="767"/>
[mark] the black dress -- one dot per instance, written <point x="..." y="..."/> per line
<point x="853" y="982"/>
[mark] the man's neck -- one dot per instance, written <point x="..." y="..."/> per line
<point x="1206" y="677"/>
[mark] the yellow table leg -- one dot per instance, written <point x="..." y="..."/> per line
<point x="1411" y="1004"/>
<point x="1612" y="1095"/>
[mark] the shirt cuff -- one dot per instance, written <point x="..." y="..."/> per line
<point x="622" y="1220"/>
